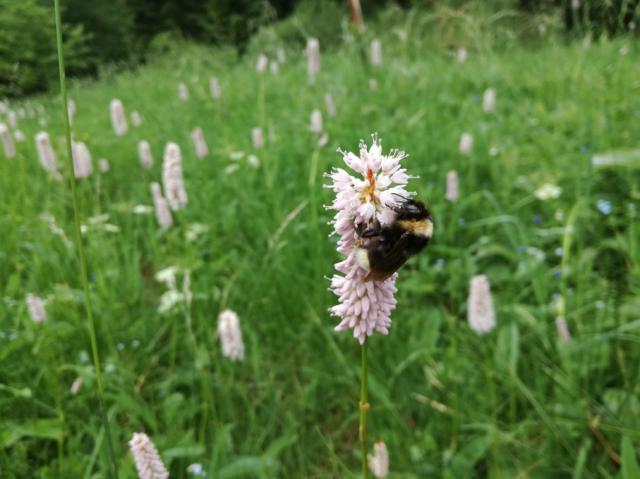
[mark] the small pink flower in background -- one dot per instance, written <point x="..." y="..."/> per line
<point x="489" y="100"/>
<point x="452" y="194"/>
<point x="7" y="141"/>
<point x="76" y="385"/>
<point x="148" y="462"/>
<point x="136" y="119"/>
<point x="313" y="57"/>
<point x="257" y="138"/>
<point x="183" y="92"/>
<point x="282" y="55"/>
<point x="230" y="335"/>
<point x="103" y="165"/>
<point x="376" y="53"/>
<point x="316" y="122"/>
<point x="46" y="155"/>
<point x="214" y="88"/>
<point x="82" y="165"/>
<point x="172" y="180"/>
<point x="199" y="143"/>
<point x="118" y="118"/>
<point x="36" y="308"/>
<point x="329" y="105"/>
<point x="163" y="213"/>
<point x="19" y="136"/>
<point x="379" y="460"/>
<point x="144" y="154"/>
<point x="480" y="314"/>
<point x="466" y="143"/>
<point x="364" y="306"/>
<point x="461" y="55"/>
<point x="261" y="63"/>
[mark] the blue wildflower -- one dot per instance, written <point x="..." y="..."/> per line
<point x="604" y="206"/>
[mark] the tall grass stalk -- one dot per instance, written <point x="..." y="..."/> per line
<point x="364" y="407"/>
<point x="79" y="247"/>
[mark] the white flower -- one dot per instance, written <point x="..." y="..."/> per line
<point x="489" y="100"/>
<point x="148" y="462"/>
<point x="172" y="180"/>
<point x="169" y="300"/>
<point x="364" y="305"/>
<point x="118" y="118"/>
<point x="18" y="135"/>
<point x="183" y="92"/>
<point x="7" y="141"/>
<point x="194" y="230"/>
<point x="313" y="57"/>
<point x="136" y="119"/>
<point x="103" y="165"/>
<point x="253" y="161"/>
<point x="379" y="461"/>
<point x="76" y="385"/>
<point x="261" y="63"/>
<point x="36" y="308"/>
<point x="214" y="88"/>
<point x="142" y="209"/>
<point x="376" y="53"/>
<point x="461" y="55"/>
<point x="257" y="138"/>
<point x="282" y="56"/>
<point x="548" y="191"/>
<point x="323" y="140"/>
<point x="452" y="193"/>
<point x="144" y="154"/>
<point x="481" y="315"/>
<point x="200" y="145"/>
<point x="82" y="166"/>
<point x="163" y="213"/>
<point x="466" y="144"/>
<point x="316" y="122"/>
<point x="230" y="335"/>
<point x="167" y="276"/>
<point x="329" y="105"/>
<point x="46" y="155"/>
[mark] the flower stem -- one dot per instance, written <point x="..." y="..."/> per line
<point x="79" y="247"/>
<point x="364" y="407"/>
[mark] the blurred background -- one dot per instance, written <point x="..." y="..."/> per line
<point x="105" y="35"/>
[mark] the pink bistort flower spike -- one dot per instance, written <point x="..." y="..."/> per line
<point x="364" y="306"/>
<point x="148" y="462"/>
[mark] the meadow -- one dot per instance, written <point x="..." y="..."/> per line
<point x="556" y="233"/>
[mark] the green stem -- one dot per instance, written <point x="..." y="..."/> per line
<point x="364" y="407"/>
<point x="80" y="248"/>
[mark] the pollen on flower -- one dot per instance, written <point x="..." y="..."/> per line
<point x="364" y="199"/>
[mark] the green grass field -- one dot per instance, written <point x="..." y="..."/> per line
<point x="514" y="403"/>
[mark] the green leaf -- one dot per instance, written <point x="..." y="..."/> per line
<point x="630" y="468"/>
<point x="11" y="432"/>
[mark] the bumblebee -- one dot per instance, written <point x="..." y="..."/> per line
<point x="383" y="250"/>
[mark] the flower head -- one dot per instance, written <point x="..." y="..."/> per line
<point x="466" y="144"/>
<point x="369" y="198"/>
<point x="163" y="213"/>
<point x="214" y="88"/>
<point x="172" y="179"/>
<point x="7" y="141"/>
<point x="481" y="315"/>
<point x="46" y="155"/>
<point x="329" y="104"/>
<point x="118" y="118"/>
<point x="376" y="53"/>
<point x="452" y="194"/>
<point x="261" y="63"/>
<point x="36" y="308"/>
<point x="230" y="335"/>
<point x="379" y="460"/>
<point x="183" y="92"/>
<point x="313" y="57"/>
<point x="136" y="119"/>
<point x="315" y="125"/>
<point x="144" y="154"/>
<point x="489" y="100"/>
<point x="199" y="143"/>
<point x="148" y="462"/>
<point x="82" y="166"/>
